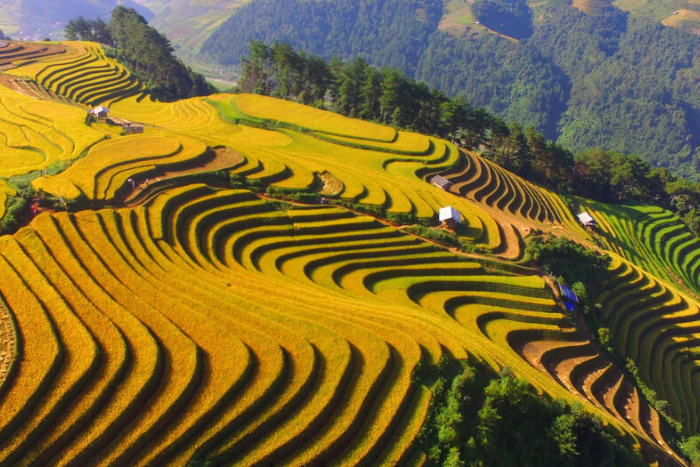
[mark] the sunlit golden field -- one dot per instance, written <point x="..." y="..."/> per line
<point x="166" y="309"/>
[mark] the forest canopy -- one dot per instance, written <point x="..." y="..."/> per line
<point x="509" y="17"/>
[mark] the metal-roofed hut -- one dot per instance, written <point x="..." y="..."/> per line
<point x="441" y="182"/>
<point x="587" y="220"/>
<point x="450" y="217"/>
<point x="99" y="112"/>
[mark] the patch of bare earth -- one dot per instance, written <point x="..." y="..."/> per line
<point x="451" y="24"/>
<point x="31" y="88"/>
<point x="683" y="18"/>
<point x="332" y="185"/>
<point x="591" y="7"/>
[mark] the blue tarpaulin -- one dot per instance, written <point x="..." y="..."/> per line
<point x="568" y="294"/>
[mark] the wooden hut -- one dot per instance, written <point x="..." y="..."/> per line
<point x="441" y="182"/>
<point x="99" y="112"/>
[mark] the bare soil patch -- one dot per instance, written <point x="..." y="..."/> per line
<point x="332" y="185"/>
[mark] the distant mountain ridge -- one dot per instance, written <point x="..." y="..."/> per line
<point x="37" y="19"/>
<point x="611" y="78"/>
<point x="188" y="23"/>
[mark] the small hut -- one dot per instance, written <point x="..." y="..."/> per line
<point x="99" y="112"/>
<point x="132" y="128"/>
<point x="587" y="220"/>
<point x="441" y="182"/>
<point x="450" y="217"/>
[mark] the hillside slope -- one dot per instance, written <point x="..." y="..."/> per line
<point x="188" y="23"/>
<point x="244" y="282"/>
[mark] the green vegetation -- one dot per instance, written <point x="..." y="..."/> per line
<point x="358" y="90"/>
<point x="15" y="210"/>
<point x="565" y="258"/>
<point x="81" y="29"/>
<point x="149" y="55"/>
<point x="438" y="236"/>
<point x="691" y="449"/>
<point x="510" y="18"/>
<point x="480" y="417"/>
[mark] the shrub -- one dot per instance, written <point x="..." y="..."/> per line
<point x="566" y="258"/>
<point x="400" y="217"/>
<point x="16" y="210"/>
<point x="438" y="236"/>
<point x="691" y="450"/>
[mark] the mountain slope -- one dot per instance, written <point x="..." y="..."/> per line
<point x="209" y="291"/>
<point x="188" y="23"/>
<point x="613" y="79"/>
<point x="37" y="19"/>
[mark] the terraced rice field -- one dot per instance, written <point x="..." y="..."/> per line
<point x="34" y="134"/>
<point x="480" y="180"/>
<point x="305" y="290"/>
<point x="174" y="322"/>
<point x="293" y="157"/>
<point x="85" y="75"/>
<point x="657" y="327"/>
<point x="653" y="239"/>
<point x="104" y="172"/>
<point x="18" y="52"/>
<point x="592" y="7"/>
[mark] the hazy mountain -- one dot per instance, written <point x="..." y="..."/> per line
<point x="188" y="23"/>
<point x="36" y="19"/>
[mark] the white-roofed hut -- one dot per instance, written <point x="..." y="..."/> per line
<point x="99" y="112"/>
<point x="587" y="220"/>
<point x="450" y="217"/>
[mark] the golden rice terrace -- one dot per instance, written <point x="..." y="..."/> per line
<point x="162" y="315"/>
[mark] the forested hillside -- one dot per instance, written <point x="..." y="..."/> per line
<point x="615" y="79"/>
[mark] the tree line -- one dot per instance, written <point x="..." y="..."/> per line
<point x="356" y="89"/>
<point x="146" y="52"/>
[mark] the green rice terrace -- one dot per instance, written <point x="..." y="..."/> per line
<point x="245" y="282"/>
